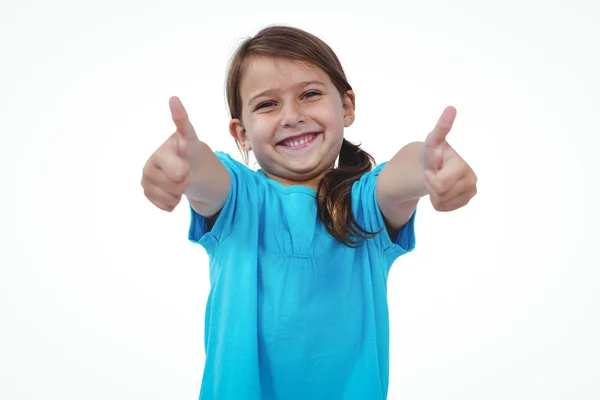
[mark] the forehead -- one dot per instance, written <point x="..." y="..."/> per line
<point x="264" y="73"/>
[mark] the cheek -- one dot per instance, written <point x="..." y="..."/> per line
<point x="259" y="131"/>
<point x="259" y="127"/>
<point x="262" y="121"/>
<point x="330" y="112"/>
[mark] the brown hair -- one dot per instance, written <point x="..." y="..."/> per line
<point x="334" y="203"/>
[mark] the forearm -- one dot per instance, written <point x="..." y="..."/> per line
<point x="402" y="179"/>
<point x="209" y="182"/>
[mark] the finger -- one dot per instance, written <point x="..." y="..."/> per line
<point x="164" y="206"/>
<point x="445" y="179"/>
<point x="455" y="170"/>
<point x="174" y="167"/>
<point x="179" y="145"/>
<point x="438" y="135"/>
<point x="438" y="157"/>
<point x="456" y="202"/>
<point x="465" y="185"/>
<point x="160" y="179"/>
<point x="181" y="119"/>
<point x="153" y="176"/>
<point x="182" y="146"/>
<point x="161" y="199"/>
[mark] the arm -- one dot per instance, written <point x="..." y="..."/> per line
<point x="431" y="168"/>
<point x="400" y="185"/>
<point x="185" y="165"/>
<point x="209" y="183"/>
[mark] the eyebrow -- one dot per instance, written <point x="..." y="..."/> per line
<point x="300" y="84"/>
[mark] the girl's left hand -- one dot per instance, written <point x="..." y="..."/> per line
<point x="449" y="179"/>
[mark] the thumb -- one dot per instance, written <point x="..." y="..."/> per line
<point x="180" y="118"/>
<point x="181" y="146"/>
<point x="438" y="135"/>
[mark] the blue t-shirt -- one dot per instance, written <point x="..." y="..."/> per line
<point x="292" y="313"/>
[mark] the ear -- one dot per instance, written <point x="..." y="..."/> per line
<point x="348" y="105"/>
<point x="236" y="129"/>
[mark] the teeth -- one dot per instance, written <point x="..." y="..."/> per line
<point x="301" y="141"/>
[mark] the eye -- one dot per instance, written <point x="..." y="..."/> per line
<point x="265" y="104"/>
<point x="311" y="93"/>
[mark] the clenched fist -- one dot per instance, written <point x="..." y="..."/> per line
<point x="167" y="173"/>
<point x="450" y="181"/>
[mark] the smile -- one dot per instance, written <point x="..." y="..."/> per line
<point x="298" y="142"/>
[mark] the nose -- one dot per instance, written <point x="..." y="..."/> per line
<point x="292" y="116"/>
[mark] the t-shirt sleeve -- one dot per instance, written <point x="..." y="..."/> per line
<point x="225" y="222"/>
<point x="369" y="216"/>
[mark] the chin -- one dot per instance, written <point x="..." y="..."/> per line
<point x="300" y="169"/>
<point x="309" y="167"/>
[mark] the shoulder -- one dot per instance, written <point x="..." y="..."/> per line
<point x="369" y="215"/>
<point x="231" y="162"/>
<point x="241" y="174"/>
<point x="366" y="183"/>
<point x="364" y="201"/>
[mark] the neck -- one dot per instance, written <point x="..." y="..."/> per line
<point x="312" y="183"/>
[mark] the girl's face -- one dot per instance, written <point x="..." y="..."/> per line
<point x="293" y="118"/>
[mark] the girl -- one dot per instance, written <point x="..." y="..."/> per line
<point x="299" y="250"/>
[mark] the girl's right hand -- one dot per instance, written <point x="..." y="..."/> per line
<point x="168" y="172"/>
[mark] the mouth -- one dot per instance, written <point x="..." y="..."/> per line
<point x="299" y="141"/>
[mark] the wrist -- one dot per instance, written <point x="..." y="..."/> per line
<point x="406" y="172"/>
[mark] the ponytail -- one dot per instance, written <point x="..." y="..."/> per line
<point x="334" y="202"/>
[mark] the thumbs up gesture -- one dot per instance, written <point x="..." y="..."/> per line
<point x="450" y="181"/>
<point x="167" y="173"/>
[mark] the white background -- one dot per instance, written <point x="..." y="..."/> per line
<point x="101" y="294"/>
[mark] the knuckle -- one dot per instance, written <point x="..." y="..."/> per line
<point x="148" y="193"/>
<point x="435" y="186"/>
<point x="446" y="181"/>
<point x="435" y="201"/>
<point x="148" y="167"/>
<point x="464" y="187"/>
<point x="175" y="168"/>
<point x="181" y="188"/>
<point x="442" y="184"/>
<point x="179" y="173"/>
<point x="173" y="203"/>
